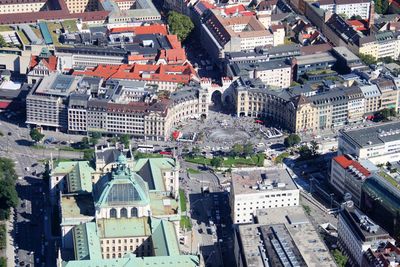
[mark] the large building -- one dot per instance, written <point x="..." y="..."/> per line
<point x="125" y="212"/>
<point x="357" y="233"/>
<point x="347" y="177"/>
<point x="348" y="8"/>
<point x="379" y="144"/>
<point x="275" y="73"/>
<point x="281" y="237"/>
<point x="47" y="102"/>
<point x="261" y="189"/>
<point x="233" y="33"/>
<point x="12" y="7"/>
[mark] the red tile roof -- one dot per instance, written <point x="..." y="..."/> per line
<point x="345" y="162"/>
<point x="154" y="28"/>
<point x="162" y="73"/>
<point x="4" y="104"/>
<point x="50" y="63"/>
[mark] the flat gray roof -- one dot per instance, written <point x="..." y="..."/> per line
<point x="315" y="58"/>
<point x="375" y="135"/>
<point x="345" y="53"/>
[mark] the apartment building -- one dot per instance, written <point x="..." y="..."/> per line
<point x="357" y="233"/>
<point x="47" y="102"/>
<point x="349" y="8"/>
<point x="379" y="144"/>
<point x="372" y="98"/>
<point x="275" y="73"/>
<point x="347" y="177"/>
<point x="230" y="33"/>
<point x="24" y="6"/>
<point x="355" y="104"/>
<point x="261" y="189"/>
<point x="389" y="93"/>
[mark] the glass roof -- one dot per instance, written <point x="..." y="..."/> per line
<point x="122" y="194"/>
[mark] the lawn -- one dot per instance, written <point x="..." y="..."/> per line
<point x="140" y="155"/>
<point x="70" y="25"/>
<point x="182" y="200"/>
<point x="193" y="171"/>
<point x="5" y="28"/>
<point x="255" y="160"/>
<point x="389" y="178"/>
<point x="23" y="37"/>
<point x="281" y="157"/>
<point x="53" y="27"/>
<point x="186" y="223"/>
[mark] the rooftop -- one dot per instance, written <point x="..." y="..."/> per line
<point x="77" y="206"/>
<point x="257" y="181"/>
<point x="315" y="58"/>
<point x="374" y="135"/>
<point x="288" y="225"/>
<point x="58" y="85"/>
<point x="123" y="227"/>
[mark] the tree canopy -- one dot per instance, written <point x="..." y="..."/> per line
<point x="216" y="162"/>
<point x="180" y="25"/>
<point x="291" y="140"/>
<point x="367" y="59"/>
<point x="8" y="193"/>
<point x="36" y="135"/>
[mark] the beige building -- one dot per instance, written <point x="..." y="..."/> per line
<point x="80" y="6"/>
<point x="372" y="98"/>
<point x="24" y="6"/>
<point x="306" y="115"/>
<point x="389" y="93"/>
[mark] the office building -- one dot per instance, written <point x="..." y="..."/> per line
<point x="47" y="102"/>
<point x="312" y="64"/>
<point x="347" y="177"/>
<point x="261" y="189"/>
<point x="379" y="144"/>
<point x="281" y="237"/>
<point x="357" y="233"/>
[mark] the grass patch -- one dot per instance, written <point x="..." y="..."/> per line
<point x="53" y="27"/>
<point x="69" y="25"/>
<point x="5" y="28"/>
<point x="281" y="157"/>
<point x="186" y="223"/>
<point x="182" y="200"/>
<point x="36" y="146"/>
<point x="140" y="155"/>
<point x="3" y="236"/>
<point x="255" y="160"/>
<point x="389" y="178"/>
<point x="23" y="37"/>
<point x="193" y="171"/>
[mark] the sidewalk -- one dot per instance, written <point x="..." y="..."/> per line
<point x="10" y="241"/>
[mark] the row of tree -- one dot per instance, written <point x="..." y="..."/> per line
<point x="8" y="193"/>
<point x="305" y="151"/>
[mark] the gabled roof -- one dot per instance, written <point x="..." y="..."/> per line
<point x="50" y="62"/>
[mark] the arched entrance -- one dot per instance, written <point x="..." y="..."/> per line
<point x="216" y="100"/>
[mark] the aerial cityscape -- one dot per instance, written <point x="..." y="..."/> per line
<point x="199" y="133"/>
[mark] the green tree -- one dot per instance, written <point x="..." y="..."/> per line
<point x="378" y="6"/>
<point x="314" y="148"/>
<point x="386" y="113"/>
<point x="88" y="155"/>
<point x="85" y="144"/>
<point x="248" y="149"/>
<point x="3" y="262"/>
<point x="2" y="41"/>
<point x="291" y="140"/>
<point x="36" y="135"/>
<point x="1" y="133"/>
<point x="237" y="150"/>
<point x="180" y="25"/>
<point x="95" y="137"/>
<point x="195" y="150"/>
<point x="216" y="162"/>
<point x="385" y="6"/>
<point x="305" y="152"/>
<point x="367" y="59"/>
<point x="340" y="259"/>
<point x="125" y="139"/>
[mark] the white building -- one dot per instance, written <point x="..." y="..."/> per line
<point x="357" y="233"/>
<point x="379" y="144"/>
<point x="349" y="8"/>
<point x="261" y="189"/>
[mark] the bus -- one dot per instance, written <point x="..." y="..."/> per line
<point x="145" y="148"/>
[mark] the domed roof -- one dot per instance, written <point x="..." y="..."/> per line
<point x="124" y="188"/>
